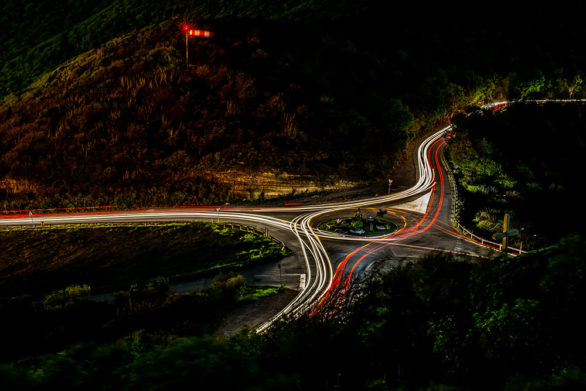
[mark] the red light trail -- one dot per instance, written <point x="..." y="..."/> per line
<point x="337" y="290"/>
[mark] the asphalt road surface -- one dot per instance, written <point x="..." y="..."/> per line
<point x="325" y="265"/>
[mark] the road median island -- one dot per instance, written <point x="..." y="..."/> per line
<point x="360" y="225"/>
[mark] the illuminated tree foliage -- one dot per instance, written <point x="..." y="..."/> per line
<point x="521" y="161"/>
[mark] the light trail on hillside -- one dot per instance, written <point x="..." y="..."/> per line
<point x="324" y="287"/>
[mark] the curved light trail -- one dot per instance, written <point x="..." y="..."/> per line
<point x="317" y="262"/>
<point x="324" y="286"/>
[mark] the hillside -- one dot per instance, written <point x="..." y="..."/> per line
<point x="287" y="96"/>
<point x="37" y="36"/>
<point x="129" y="123"/>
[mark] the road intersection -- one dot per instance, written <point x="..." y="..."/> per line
<point x="331" y="261"/>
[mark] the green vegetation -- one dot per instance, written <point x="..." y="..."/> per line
<point x="255" y="293"/>
<point x="38" y="260"/>
<point x="149" y="311"/>
<point x="522" y="161"/>
<point x="98" y="109"/>
<point x="66" y="285"/>
<point x="70" y="296"/>
<point x="500" y="324"/>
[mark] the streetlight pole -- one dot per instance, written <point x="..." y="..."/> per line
<point x="506" y="222"/>
<point x="195" y="33"/>
<point x="186" y="47"/>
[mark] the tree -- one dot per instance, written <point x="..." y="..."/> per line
<point x="71" y="295"/>
<point x="229" y="285"/>
<point x="574" y="86"/>
<point x="511" y="330"/>
<point x="532" y="86"/>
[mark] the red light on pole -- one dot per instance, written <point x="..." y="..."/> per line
<point x="201" y="33"/>
<point x="196" y="33"/>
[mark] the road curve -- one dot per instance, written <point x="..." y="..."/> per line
<point x="321" y="278"/>
<point x="317" y="261"/>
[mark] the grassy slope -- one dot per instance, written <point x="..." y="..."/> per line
<point x="285" y="86"/>
<point x="37" y="36"/>
<point x="127" y="124"/>
<point x="40" y="260"/>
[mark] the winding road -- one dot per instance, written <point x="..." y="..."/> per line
<point x="331" y="262"/>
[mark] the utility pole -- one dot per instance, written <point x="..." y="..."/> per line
<point x="195" y="33"/>
<point x="186" y="30"/>
<point x="507" y="232"/>
<point x="186" y="48"/>
<point x="506" y="223"/>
